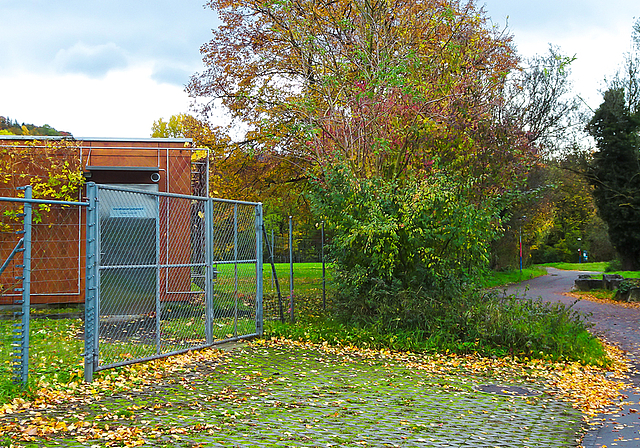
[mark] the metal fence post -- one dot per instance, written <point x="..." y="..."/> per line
<point x="235" y="270"/>
<point x="26" y="284"/>
<point x="274" y="275"/>
<point x="273" y="248"/>
<point x="324" y="277"/>
<point x="291" y="312"/>
<point x="91" y="307"/>
<point x="259" y="272"/>
<point x="208" y="287"/>
<point x="158" y="283"/>
<point x="22" y="364"/>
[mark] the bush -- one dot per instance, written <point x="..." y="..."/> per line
<point x="400" y="249"/>
<point x="613" y="266"/>
<point x="409" y="258"/>
<point x="477" y="322"/>
<point x="535" y="328"/>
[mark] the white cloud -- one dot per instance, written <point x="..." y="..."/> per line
<point x="123" y="103"/>
<point x="597" y="33"/>
<point x="88" y="36"/>
<point x="96" y="68"/>
<point x="599" y="53"/>
<point x="171" y="74"/>
<point x="93" y="61"/>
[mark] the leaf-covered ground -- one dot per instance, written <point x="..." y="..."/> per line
<point x="285" y="393"/>
<point x="605" y="298"/>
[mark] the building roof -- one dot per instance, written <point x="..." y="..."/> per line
<point x="96" y="139"/>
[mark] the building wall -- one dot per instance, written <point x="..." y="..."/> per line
<point x="59" y="238"/>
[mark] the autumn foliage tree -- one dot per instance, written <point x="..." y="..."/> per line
<point x="371" y="100"/>
<point x="389" y="88"/>
<point x="240" y="174"/>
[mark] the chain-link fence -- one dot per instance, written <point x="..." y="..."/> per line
<point x="151" y="256"/>
<point x="41" y="267"/>
<point x="165" y="273"/>
<point x="300" y="248"/>
<point x="172" y="273"/>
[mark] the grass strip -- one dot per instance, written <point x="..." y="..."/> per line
<point x="495" y="279"/>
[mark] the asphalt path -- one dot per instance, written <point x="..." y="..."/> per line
<point x="620" y="425"/>
<point x="617" y="324"/>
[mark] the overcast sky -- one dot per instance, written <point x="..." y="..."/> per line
<point x="110" y="68"/>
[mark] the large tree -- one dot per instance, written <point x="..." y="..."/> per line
<point x="392" y="108"/>
<point x="386" y="87"/>
<point x="627" y="78"/>
<point x="538" y="99"/>
<point x="614" y="170"/>
<point x="615" y="173"/>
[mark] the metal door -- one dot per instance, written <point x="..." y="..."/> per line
<point x="128" y="250"/>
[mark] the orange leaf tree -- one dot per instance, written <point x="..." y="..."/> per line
<point x="237" y="172"/>
<point x="388" y="87"/>
<point x="382" y="103"/>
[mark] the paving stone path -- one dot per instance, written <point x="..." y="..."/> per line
<point x="620" y="424"/>
<point x="288" y="396"/>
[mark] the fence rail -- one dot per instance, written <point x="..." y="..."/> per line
<point x="17" y="289"/>
<point x="142" y="274"/>
<point x="163" y="273"/>
<point x="158" y="276"/>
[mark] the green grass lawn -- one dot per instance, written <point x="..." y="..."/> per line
<point x="307" y="277"/>
<point x="627" y="274"/>
<point x="595" y="267"/>
<point x="55" y="353"/>
<point x="500" y="278"/>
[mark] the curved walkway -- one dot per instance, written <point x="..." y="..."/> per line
<point x="618" y="325"/>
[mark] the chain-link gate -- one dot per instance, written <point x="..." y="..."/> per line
<point x="167" y="273"/>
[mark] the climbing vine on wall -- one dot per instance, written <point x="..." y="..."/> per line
<point x="52" y="167"/>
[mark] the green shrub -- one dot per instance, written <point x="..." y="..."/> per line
<point x="613" y="266"/>
<point x="408" y="260"/>
<point x="534" y="328"/>
<point x="476" y="322"/>
<point x="400" y="248"/>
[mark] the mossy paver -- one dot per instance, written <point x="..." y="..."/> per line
<point x="296" y="396"/>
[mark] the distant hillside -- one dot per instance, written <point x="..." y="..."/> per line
<point x="9" y="127"/>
